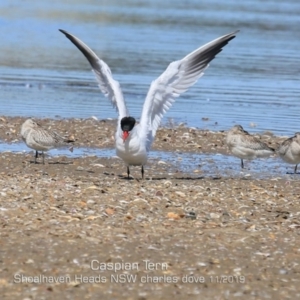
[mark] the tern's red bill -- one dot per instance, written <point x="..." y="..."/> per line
<point x="125" y="135"/>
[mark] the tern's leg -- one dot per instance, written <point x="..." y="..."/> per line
<point x="142" y="170"/>
<point x="43" y="157"/>
<point x="36" y="156"/>
<point x="295" y="171"/>
<point x="128" y="172"/>
<point x="242" y="163"/>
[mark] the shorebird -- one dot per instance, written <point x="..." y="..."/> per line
<point x="289" y="150"/>
<point x="133" y="142"/>
<point x="40" y="139"/>
<point x="245" y="146"/>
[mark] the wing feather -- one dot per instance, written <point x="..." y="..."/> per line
<point x="177" y="78"/>
<point x="108" y="86"/>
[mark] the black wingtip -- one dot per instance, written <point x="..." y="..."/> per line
<point x="63" y="31"/>
<point x="85" y="50"/>
<point x="234" y="33"/>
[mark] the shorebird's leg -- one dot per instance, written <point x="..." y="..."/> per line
<point x="36" y="156"/>
<point x="43" y="157"/>
<point x="142" y="170"/>
<point x="295" y="171"/>
<point x="128" y="172"/>
<point x="242" y="163"/>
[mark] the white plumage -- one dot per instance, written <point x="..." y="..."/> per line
<point x="133" y="144"/>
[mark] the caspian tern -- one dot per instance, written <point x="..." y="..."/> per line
<point x="246" y="146"/>
<point x="133" y="142"/>
<point x="40" y="139"/>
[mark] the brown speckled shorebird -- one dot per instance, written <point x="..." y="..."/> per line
<point x="289" y="150"/>
<point x="245" y="146"/>
<point x="40" y="139"/>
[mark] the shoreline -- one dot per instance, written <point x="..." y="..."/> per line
<point x="100" y="133"/>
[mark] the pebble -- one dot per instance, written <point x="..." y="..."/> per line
<point x="181" y="194"/>
<point x="214" y="215"/>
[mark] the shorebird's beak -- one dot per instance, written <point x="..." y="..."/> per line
<point x="125" y="135"/>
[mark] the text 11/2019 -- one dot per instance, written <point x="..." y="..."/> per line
<point x="227" y="279"/>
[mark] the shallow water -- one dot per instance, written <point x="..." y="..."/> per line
<point x="255" y="80"/>
<point x="198" y="165"/>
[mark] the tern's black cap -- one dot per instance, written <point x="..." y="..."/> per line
<point x="127" y="123"/>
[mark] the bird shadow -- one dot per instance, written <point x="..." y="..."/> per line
<point x="165" y="178"/>
<point x="128" y="178"/>
<point x="35" y="163"/>
<point x="61" y="163"/>
<point x="51" y="163"/>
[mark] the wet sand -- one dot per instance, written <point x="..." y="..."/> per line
<point x="72" y="218"/>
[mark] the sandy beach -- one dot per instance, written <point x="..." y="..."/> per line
<point x="78" y="227"/>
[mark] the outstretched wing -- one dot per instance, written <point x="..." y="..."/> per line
<point x="178" y="77"/>
<point x="108" y="86"/>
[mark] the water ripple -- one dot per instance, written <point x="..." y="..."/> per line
<point x="254" y="80"/>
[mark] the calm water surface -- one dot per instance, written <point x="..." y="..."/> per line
<point x="255" y="80"/>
